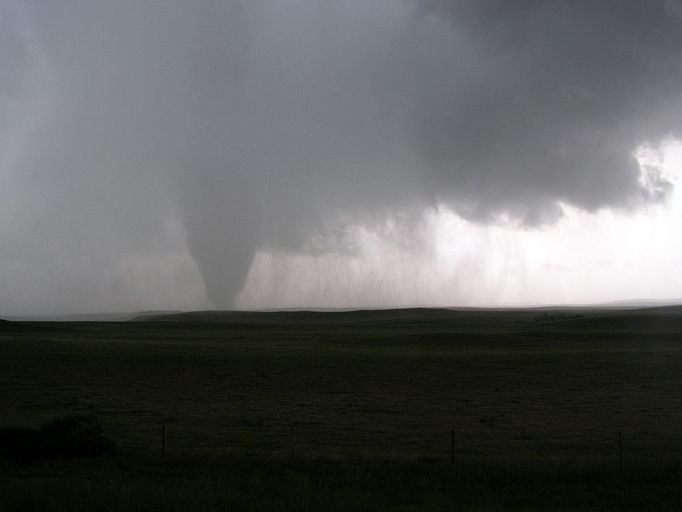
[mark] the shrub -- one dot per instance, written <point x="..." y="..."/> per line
<point x="21" y="443"/>
<point x="61" y="438"/>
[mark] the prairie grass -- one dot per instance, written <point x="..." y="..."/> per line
<point x="536" y="402"/>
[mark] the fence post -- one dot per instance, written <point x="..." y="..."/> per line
<point x="452" y="447"/>
<point x="620" y="449"/>
<point x="163" y="439"/>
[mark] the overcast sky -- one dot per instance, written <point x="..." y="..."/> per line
<point x="187" y="154"/>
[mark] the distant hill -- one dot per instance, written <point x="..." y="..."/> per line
<point x="596" y="318"/>
<point x="295" y="316"/>
<point x="92" y="317"/>
<point x="660" y="310"/>
<point x="641" y="303"/>
<point x="641" y="310"/>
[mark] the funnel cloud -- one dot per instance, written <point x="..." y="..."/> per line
<point x="134" y="132"/>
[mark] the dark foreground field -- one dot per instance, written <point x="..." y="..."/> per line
<point x="536" y="400"/>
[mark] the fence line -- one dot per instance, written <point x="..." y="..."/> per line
<point x="650" y="445"/>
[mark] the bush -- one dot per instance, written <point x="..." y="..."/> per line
<point x="20" y="443"/>
<point x="60" y="438"/>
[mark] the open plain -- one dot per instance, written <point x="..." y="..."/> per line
<point x="304" y="409"/>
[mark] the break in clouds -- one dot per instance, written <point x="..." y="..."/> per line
<point x="133" y="133"/>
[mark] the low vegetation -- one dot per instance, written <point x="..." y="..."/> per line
<point x="65" y="437"/>
<point x="354" y="411"/>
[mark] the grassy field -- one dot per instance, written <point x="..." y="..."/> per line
<point x="532" y="396"/>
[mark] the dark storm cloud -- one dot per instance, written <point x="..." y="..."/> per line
<point x="258" y="123"/>
<point x="556" y="96"/>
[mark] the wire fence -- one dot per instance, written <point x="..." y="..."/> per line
<point x="305" y="442"/>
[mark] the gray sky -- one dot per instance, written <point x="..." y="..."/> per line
<point x="150" y="150"/>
